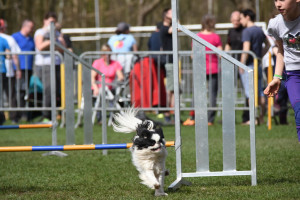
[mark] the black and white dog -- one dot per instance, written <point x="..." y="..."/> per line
<point x="148" y="150"/>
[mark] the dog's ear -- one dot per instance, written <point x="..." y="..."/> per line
<point x="143" y="132"/>
<point x="160" y="132"/>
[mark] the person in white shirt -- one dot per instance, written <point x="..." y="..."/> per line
<point x="43" y="62"/>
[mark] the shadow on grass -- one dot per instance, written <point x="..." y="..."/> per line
<point x="212" y="182"/>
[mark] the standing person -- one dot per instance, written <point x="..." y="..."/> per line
<point x="123" y="42"/>
<point x="43" y="61"/>
<point x="4" y="80"/>
<point x="154" y="44"/>
<point x="110" y="68"/>
<point x="253" y="38"/>
<point x="285" y="28"/>
<point x="234" y="42"/>
<point x="167" y="45"/>
<point x="66" y="37"/>
<point x="14" y="48"/>
<point x="26" y="43"/>
<point x="209" y="35"/>
<point x="234" y="37"/>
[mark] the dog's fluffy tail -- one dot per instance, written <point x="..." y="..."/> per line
<point x="126" y="122"/>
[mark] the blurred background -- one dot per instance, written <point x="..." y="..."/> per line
<point x="108" y="13"/>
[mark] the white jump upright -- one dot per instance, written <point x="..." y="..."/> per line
<point x="228" y="65"/>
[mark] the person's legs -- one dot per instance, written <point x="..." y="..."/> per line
<point x="24" y="87"/>
<point x="58" y="85"/>
<point x="213" y="92"/>
<point x="245" y="83"/>
<point x="3" y="88"/>
<point x="43" y="72"/>
<point x="128" y="63"/>
<point x="297" y="118"/>
<point x="170" y="90"/>
<point x="262" y="98"/>
<point x="293" y="89"/>
<point x="282" y="100"/>
<point x="11" y="93"/>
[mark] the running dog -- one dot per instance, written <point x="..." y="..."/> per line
<point x="148" y="150"/>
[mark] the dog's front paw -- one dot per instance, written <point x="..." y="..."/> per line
<point x="157" y="194"/>
<point x="167" y="173"/>
<point x="156" y="186"/>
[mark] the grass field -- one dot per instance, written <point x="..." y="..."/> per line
<point x="90" y="175"/>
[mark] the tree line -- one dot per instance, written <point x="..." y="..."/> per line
<point x="81" y="13"/>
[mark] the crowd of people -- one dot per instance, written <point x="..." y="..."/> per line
<point x="244" y="35"/>
<point x="22" y="65"/>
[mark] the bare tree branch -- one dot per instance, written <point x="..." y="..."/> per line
<point x="145" y="9"/>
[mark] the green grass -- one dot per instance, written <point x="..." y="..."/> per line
<point x="90" y="175"/>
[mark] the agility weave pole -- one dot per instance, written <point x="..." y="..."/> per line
<point x="22" y="126"/>
<point x="72" y="147"/>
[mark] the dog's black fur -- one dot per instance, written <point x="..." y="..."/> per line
<point x="144" y="136"/>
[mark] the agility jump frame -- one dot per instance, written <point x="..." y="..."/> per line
<point x="27" y="126"/>
<point x="71" y="147"/>
<point x="228" y="110"/>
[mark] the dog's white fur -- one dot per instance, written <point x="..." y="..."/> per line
<point x="150" y="161"/>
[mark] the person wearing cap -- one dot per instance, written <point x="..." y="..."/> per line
<point x="123" y="42"/>
<point x="14" y="48"/>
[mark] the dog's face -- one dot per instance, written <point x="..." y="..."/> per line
<point x="149" y="137"/>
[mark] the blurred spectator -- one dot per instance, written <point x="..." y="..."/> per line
<point x="43" y="61"/>
<point x="166" y="44"/>
<point x="234" y="37"/>
<point x="26" y="43"/>
<point x="234" y="42"/>
<point x="4" y="81"/>
<point x="208" y="34"/>
<point x="14" y="48"/>
<point x="123" y="42"/>
<point x="109" y="68"/>
<point x="154" y="44"/>
<point x="253" y="38"/>
<point x="66" y="37"/>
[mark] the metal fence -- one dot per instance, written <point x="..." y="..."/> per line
<point x="188" y="89"/>
<point x="26" y="90"/>
<point x="29" y="96"/>
<point x="228" y="65"/>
